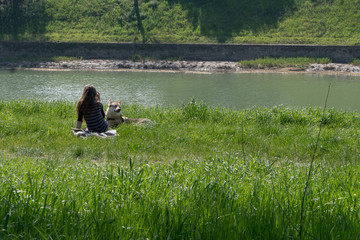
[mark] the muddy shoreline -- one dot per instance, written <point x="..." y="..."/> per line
<point x="175" y="66"/>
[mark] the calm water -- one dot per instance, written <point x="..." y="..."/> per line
<point x="237" y="91"/>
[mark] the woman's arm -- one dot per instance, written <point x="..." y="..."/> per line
<point x="102" y="110"/>
<point x="79" y="120"/>
<point x="78" y="124"/>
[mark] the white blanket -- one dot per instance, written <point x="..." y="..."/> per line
<point x="84" y="134"/>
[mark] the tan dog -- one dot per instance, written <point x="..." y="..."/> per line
<point x="114" y="115"/>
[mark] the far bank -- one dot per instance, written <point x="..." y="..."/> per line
<point x="202" y="67"/>
<point x="173" y="52"/>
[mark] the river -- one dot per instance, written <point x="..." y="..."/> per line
<point x="233" y="90"/>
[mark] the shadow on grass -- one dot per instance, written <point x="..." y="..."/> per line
<point x="19" y="17"/>
<point x="222" y="19"/>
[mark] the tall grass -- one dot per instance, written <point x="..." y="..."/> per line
<point x="196" y="172"/>
<point x="213" y="199"/>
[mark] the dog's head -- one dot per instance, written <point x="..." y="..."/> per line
<point x="114" y="110"/>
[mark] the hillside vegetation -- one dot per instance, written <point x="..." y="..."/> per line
<point x="182" y="21"/>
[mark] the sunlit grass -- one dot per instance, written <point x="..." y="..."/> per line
<point x="40" y="129"/>
<point x="195" y="172"/>
<point x="217" y="199"/>
<point x="317" y="22"/>
<point x="267" y="62"/>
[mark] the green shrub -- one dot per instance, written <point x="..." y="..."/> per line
<point x="356" y="62"/>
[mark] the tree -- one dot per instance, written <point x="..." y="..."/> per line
<point x="138" y="19"/>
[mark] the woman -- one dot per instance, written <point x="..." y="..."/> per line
<point x="91" y="110"/>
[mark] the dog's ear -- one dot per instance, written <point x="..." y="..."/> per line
<point x="119" y="102"/>
<point x="110" y="101"/>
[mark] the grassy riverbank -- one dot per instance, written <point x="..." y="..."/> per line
<point x="175" y="21"/>
<point x="196" y="172"/>
<point x="298" y="63"/>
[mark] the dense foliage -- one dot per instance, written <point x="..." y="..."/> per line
<point x="231" y="21"/>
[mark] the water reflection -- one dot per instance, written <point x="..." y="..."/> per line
<point x="237" y="91"/>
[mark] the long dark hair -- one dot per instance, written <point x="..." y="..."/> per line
<point x="87" y="99"/>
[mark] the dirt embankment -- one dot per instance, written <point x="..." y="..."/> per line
<point x="183" y="66"/>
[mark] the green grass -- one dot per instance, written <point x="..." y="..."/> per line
<point x="176" y="21"/>
<point x="267" y="62"/>
<point x="40" y="59"/>
<point x="196" y="172"/>
<point x="42" y="129"/>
